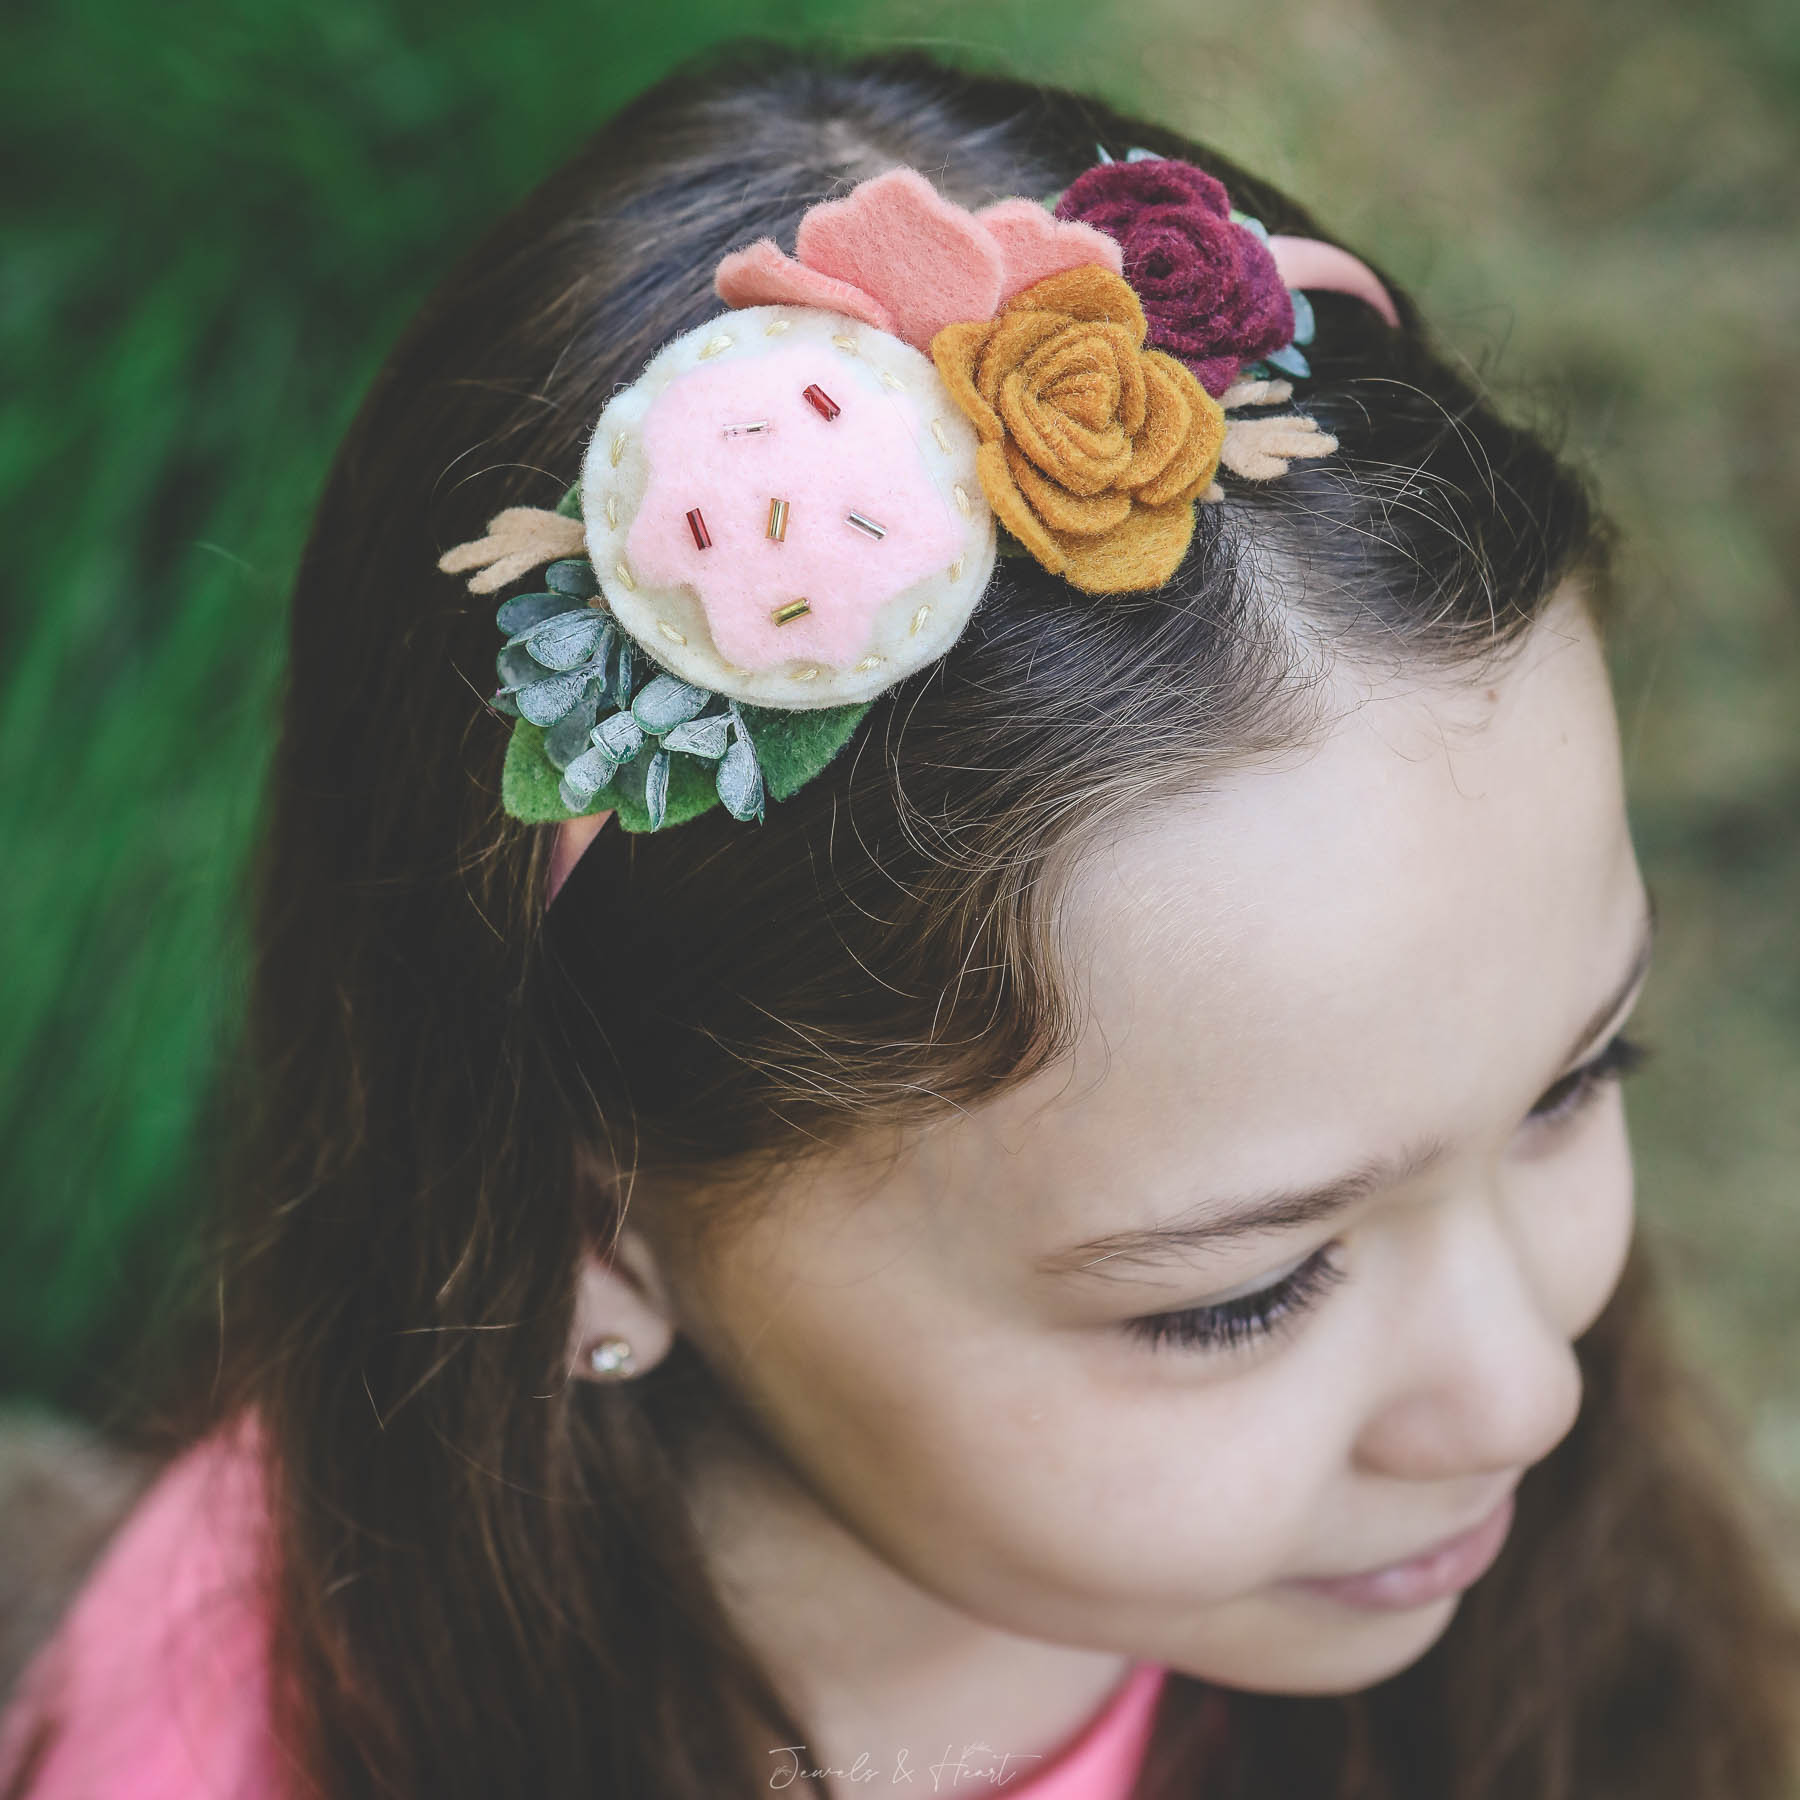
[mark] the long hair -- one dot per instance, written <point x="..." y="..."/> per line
<point x="487" y="1582"/>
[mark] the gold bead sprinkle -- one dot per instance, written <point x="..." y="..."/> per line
<point x="778" y="515"/>
<point x="937" y="431"/>
<point x="794" y="609"/>
<point x="918" y="621"/>
<point x="669" y="631"/>
<point x="715" y="345"/>
<point x="627" y="580"/>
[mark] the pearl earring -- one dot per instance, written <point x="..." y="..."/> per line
<point x="611" y="1359"/>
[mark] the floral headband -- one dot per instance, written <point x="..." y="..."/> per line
<point x="799" y="503"/>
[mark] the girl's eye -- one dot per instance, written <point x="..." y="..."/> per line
<point x="1580" y="1086"/>
<point x="1229" y="1323"/>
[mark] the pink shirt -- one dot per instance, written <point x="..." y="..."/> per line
<point x="157" y="1678"/>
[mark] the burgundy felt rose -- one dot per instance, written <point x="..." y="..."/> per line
<point x="1210" y="289"/>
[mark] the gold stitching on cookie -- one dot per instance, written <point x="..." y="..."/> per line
<point x="715" y="345"/>
<point x="776" y="327"/>
<point x="962" y="500"/>
<point x="918" y="620"/>
<point x="937" y="431"/>
<point x="809" y="673"/>
<point x="669" y="631"/>
<point x="612" y="509"/>
<point x="623" y="570"/>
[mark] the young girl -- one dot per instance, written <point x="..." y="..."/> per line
<point x="1046" y="1209"/>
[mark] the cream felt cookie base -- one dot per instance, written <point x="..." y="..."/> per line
<point x="908" y="630"/>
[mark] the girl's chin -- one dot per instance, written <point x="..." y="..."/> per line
<point x="1304" y="1656"/>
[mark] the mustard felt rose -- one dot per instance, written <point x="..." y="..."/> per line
<point x="1093" y="449"/>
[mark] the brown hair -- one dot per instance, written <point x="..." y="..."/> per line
<point x="487" y="1580"/>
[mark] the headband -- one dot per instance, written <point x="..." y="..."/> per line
<point x="800" y="503"/>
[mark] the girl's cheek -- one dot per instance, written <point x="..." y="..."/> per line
<point x="1578" y="1217"/>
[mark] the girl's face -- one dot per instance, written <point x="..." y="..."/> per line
<point x="1276" y="1282"/>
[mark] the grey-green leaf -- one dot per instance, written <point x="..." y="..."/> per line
<point x="568" y="737"/>
<point x="524" y="612"/>
<point x="516" y="667"/>
<point x="505" y="703"/>
<point x="668" y="701"/>
<point x="621" y="689"/>
<point x="544" y="702"/>
<point x="700" y="737"/>
<point x="740" y="781"/>
<point x="1289" y="362"/>
<point x="574" y="575"/>
<point x="567" y="640"/>
<point x="1305" y="326"/>
<point x="586" y="776"/>
<point x="656" y="789"/>
<point x="621" y="734"/>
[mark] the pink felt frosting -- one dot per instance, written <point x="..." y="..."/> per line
<point x="899" y="256"/>
<point x="869" y="459"/>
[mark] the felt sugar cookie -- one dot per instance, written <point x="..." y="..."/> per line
<point x="784" y="508"/>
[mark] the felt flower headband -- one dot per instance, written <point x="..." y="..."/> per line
<point x="799" y="503"/>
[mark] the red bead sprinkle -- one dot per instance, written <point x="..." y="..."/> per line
<point x="821" y="402"/>
<point x="697" y="525"/>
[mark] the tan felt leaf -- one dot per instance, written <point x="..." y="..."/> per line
<point x="1261" y="449"/>
<point x="518" y="540"/>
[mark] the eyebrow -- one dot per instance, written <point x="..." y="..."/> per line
<point x="1214" y="1223"/>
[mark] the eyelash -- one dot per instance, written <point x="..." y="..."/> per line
<point x="1580" y="1087"/>
<point x="1230" y="1323"/>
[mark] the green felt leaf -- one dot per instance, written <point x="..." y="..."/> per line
<point x="794" y="746"/>
<point x="570" y="504"/>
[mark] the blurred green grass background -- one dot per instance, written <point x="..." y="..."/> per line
<point x="220" y="214"/>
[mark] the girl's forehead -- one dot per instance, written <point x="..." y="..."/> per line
<point x="1430" y="898"/>
<point x="1320" y="963"/>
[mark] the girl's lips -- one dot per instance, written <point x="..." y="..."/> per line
<point x="1444" y="1569"/>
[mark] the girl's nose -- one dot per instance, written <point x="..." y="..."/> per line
<point x="1480" y="1378"/>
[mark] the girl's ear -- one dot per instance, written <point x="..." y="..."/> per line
<point x="623" y="1324"/>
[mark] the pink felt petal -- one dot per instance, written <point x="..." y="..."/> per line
<point x="1035" y="245"/>
<point x="1327" y="269"/>
<point x="572" y="839"/>
<point x="895" y="237"/>
<point x="762" y="276"/>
